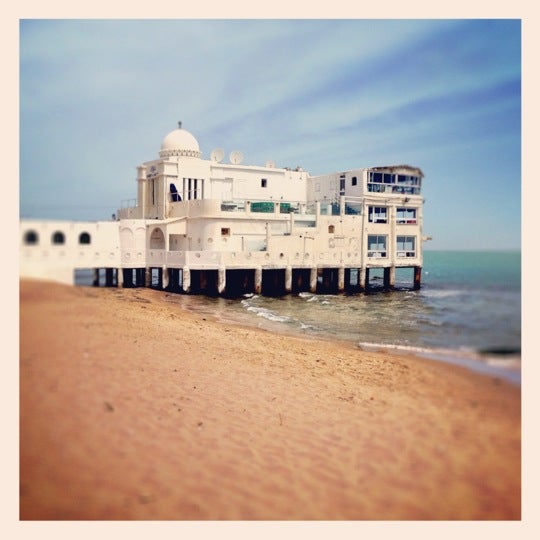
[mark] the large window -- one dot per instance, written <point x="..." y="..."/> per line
<point x="379" y="182"/>
<point x="377" y="245"/>
<point x="406" y="246"/>
<point x="377" y="214"/>
<point x="406" y="215"/>
<point x="193" y="188"/>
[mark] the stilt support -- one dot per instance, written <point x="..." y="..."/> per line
<point x="288" y="279"/>
<point x="417" y="277"/>
<point x="119" y="277"/>
<point x="222" y="280"/>
<point x="186" y="279"/>
<point x="165" y="277"/>
<point x="313" y="280"/>
<point x="258" y="280"/>
<point x="341" y="279"/>
<point x="366" y="280"/>
<point x="362" y="278"/>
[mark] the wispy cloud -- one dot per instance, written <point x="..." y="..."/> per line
<point x="97" y="97"/>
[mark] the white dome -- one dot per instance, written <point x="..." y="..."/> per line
<point x="180" y="143"/>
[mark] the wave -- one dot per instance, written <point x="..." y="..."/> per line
<point x="441" y="293"/>
<point x="371" y="346"/>
<point x="507" y="365"/>
<point x="268" y="314"/>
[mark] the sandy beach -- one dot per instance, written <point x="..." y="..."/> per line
<point x="132" y="408"/>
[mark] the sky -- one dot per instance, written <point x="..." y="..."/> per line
<point x="97" y="97"/>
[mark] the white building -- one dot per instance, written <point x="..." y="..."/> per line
<point x="203" y="225"/>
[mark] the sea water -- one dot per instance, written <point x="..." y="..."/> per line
<point x="467" y="311"/>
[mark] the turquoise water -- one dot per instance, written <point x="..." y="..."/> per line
<point x="468" y="311"/>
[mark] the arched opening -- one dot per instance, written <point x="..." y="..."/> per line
<point x="58" y="238"/>
<point x="31" y="238"/>
<point x="84" y="238"/>
<point x="126" y="238"/>
<point x="157" y="239"/>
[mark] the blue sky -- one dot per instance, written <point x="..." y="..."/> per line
<point x="98" y="96"/>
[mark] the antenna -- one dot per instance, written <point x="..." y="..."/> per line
<point x="217" y="154"/>
<point x="236" y="157"/>
<point x="180" y="125"/>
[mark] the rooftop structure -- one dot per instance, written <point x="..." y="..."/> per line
<point x="216" y="227"/>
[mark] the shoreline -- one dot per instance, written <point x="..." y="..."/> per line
<point x="169" y="414"/>
<point x="506" y="365"/>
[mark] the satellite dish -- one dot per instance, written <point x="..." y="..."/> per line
<point x="270" y="164"/>
<point x="217" y="154"/>
<point x="236" y="157"/>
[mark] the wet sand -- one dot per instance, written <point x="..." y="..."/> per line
<point x="132" y="408"/>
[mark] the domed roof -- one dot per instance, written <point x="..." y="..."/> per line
<point x="179" y="143"/>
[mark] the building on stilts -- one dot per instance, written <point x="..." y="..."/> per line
<point x="225" y="228"/>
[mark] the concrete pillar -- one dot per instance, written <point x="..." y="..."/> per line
<point x="165" y="277"/>
<point x="313" y="280"/>
<point x="362" y="278"/>
<point x="341" y="278"/>
<point x="258" y="280"/>
<point x="148" y="277"/>
<point x="288" y="279"/>
<point x="222" y="280"/>
<point x="341" y="205"/>
<point x="366" y="279"/>
<point x="186" y="279"/>
<point x="119" y="277"/>
<point x="417" y="277"/>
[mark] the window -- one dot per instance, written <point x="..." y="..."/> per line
<point x="406" y="246"/>
<point x="58" y="238"/>
<point x="225" y="231"/>
<point x="377" y="214"/>
<point x="395" y="183"/>
<point x="331" y="229"/>
<point x="342" y="184"/>
<point x="406" y="215"/>
<point x="264" y="182"/>
<point x="354" y="181"/>
<point x="193" y="188"/>
<point x="264" y="207"/>
<point x="377" y="245"/>
<point x="84" y="238"/>
<point x="31" y="238"/>
<point x="175" y="196"/>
